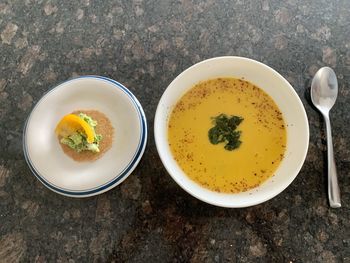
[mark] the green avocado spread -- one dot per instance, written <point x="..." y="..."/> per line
<point x="78" y="142"/>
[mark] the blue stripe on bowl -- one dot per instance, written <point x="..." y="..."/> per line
<point x="127" y="170"/>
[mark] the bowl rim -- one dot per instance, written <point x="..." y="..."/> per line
<point x="176" y="178"/>
<point x="118" y="178"/>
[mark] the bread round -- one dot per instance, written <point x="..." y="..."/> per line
<point x="104" y="127"/>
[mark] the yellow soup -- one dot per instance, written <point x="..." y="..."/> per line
<point x="263" y="135"/>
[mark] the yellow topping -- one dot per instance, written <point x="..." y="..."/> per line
<point x="72" y="123"/>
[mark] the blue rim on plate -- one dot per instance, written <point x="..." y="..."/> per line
<point x="123" y="174"/>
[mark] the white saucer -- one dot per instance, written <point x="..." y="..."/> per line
<point x="59" y="172"/>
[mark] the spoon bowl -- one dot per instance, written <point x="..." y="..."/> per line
<point x="324" y="89"/>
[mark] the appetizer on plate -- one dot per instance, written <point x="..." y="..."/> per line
<point x="85" y="135"/>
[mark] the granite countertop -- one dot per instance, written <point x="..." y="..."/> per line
<point x="145" y="44"/>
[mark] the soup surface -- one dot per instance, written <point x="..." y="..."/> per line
<point x="262" y="135"/>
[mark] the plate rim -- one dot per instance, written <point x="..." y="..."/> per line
<point x="127" y="170"/>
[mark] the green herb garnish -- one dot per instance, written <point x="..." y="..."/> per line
<point x="225" y="131"/>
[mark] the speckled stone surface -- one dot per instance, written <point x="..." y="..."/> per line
<point x="145" y="44"/>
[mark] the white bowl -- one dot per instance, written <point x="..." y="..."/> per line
<point x="59" y="172"/>
<point x="272" y="83"/>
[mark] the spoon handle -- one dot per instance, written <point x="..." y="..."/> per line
<point x="333" y="187"/>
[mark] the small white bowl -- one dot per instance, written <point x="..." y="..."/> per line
<point x="59" y="172"/>
<point x="273" y="84"/>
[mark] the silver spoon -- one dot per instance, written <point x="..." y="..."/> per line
<point x="324" y="91"/>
